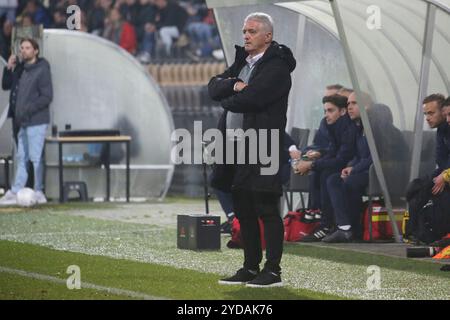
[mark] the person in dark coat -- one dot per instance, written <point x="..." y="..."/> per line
<point x="254" y="94"/>
<point x="318" y="149"/>
<point x="32" y="116"/>
<point x="421" y="190"/>
<point x="342" y="133"/>
<point x="347" y="187"/>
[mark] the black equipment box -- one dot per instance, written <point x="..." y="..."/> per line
<point x="198" y="232"/>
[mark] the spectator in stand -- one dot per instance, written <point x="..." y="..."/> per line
<point x="97" y="17"/>
<point x="170" y="22"/>
<point x="59" y="19"/>
<point x="146" y="31"/>
<point x="200" y="32"/>
<point x="26" y="20"/>
<point x="5" y="39"/>
<point x="120" y="32"/>
<point x="8" y="8"/>
<point x="38" y="12"/>
<point x="130" y="10"/>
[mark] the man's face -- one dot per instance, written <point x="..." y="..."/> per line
<point x="332" y="112"/>
<point x="27" y="51"/>
<point x="256" y="38"/>
<point x="353" y="108"/>
<point x="433" y="114"/>
<point x="446" y="113"/>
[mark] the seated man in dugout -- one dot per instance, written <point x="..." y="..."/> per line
<point x="318" y="149"/>
<point x="419" y="192"/>
<point x="347" y="187"/>
<point x="442" y="174"/>
<point x="342" y="133"/>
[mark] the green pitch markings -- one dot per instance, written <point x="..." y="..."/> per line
<point x="328" y="270"/>
<point x="34" y="272"/>
<point x="16" y="287"/>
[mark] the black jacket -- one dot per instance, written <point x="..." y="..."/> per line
<point x="363" y="159"/>
<point x="264" y="104"/>
<point x="34" y="95"/>
<point x="321" y="140"/>
<point x="442" y="148"/>
<point x="342" y="135"/>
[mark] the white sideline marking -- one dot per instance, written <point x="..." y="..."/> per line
<point x="80" y="233"/>
<point x="85" y="285"/>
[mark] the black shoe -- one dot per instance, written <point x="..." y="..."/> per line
<point x="225" y="227"/>
<point x="266" y="279"/>
<point x="242" y="276"/>
<point x="316" y="236"/>
<point x="339" y="236"/>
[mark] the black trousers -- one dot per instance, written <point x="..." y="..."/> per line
<point x="248" y="207"/>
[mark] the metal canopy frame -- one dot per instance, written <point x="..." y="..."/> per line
<point x="443" y="5"/>
<point x="423" y="79"/>
<point x="365" y="119"/>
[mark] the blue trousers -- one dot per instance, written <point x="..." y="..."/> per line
<point x="346" y="198"/>
<point x="30" y="147"/>
<point x="320" y="196"/>
<point x="314" y="191"/>
<point x="226" y="201"/>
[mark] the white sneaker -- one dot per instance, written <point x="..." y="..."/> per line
<point x="40" y="197"/>
<point x="9" y="199"/>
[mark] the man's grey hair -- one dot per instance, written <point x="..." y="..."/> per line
<point x="262" y="17"/>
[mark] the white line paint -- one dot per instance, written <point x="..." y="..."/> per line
<point x="85" y="285"/>
<point x="102" y="233"/>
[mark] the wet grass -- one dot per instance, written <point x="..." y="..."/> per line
<point x="152" y="279"/>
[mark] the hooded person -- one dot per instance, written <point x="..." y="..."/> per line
<point x="31" y="115"/>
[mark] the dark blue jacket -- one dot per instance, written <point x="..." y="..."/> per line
<point x="442" y="148"/>
<point x="341" y="150"/>
<point x="363" y="159"/>
<point x="321" y="140"/>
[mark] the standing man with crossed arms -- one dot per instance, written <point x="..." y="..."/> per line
<point x="254" y="95"/>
